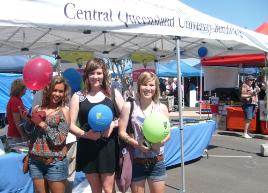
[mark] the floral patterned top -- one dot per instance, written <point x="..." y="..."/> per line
<point x="49" y="142"/>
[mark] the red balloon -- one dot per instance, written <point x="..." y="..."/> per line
<point x="37" y="73"/>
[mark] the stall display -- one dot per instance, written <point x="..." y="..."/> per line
<point x="235" y="120"/>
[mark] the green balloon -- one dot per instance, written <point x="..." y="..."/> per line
<point x="156" y="127"/>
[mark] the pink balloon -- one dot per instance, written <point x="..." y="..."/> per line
<point x="37" y="73"/>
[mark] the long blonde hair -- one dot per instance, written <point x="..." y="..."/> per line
<point x="147" y="77"/>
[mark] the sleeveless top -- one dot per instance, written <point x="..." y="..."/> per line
<point x="51" y="142"/>
<point x="85" y="106"/>
<point x="98" y="156"/>
<point x="137" y="119"/>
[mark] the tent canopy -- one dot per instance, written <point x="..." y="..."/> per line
<point x="245" y="60"/>
<point x="169" y="69"/>
<point x="116" y="29"/>
<point x="263" y="28"/>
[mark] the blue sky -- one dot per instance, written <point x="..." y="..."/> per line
<point x="244" y="13"/>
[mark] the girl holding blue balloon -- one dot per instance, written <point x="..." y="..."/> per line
<point x="97" y="136"/>
<point x="148" y="116"/>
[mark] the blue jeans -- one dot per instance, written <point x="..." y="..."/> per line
<point x="155" y="172"/>
<point x="55" y="171"/>
<point x="249" y="111"/>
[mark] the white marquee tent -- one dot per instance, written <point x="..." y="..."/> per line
<point x="118" y="28"/>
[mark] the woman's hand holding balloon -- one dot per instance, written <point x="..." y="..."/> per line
<point x="142" y="147"/>
<point x="42" y="125"/>
<point x="108" y="131"/>
<point x="156" y="146"/>
<point x="93" y="135"/>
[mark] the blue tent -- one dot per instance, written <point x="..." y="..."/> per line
<point x="170" y="69"/>
<point x="13" y="64"/>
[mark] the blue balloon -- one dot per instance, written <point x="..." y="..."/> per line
<point x="100" y="117"/>
<point x="202" y="52"/>
<point x="73" y="78"/>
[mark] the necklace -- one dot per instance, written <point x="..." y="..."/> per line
<point x="143" y="111"/>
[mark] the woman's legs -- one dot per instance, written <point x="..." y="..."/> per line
<point x="138" y="186"/>
<point x="103" y="181"/>
<point x="40" y="185"/>
<point x="107" y="180"/>
<point x="95" y="182"/>
<point x="246" y="128"/>
<point x="156" y="186"/>
<point x="249" y="111"/>
<point x="57" y="186"/>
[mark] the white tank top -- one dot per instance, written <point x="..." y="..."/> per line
<point x="137" y="119"/>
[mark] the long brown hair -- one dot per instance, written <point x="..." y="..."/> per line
<point x="47" y="92"/>
<point x="147" y="77"/>
<point x="93" y="65"/>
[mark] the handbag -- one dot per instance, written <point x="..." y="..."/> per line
<point x="124" y="174"/>
<point x="25" y="164"/>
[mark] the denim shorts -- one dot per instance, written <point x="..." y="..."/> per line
<point x="55" y="171"/>
<point x="155" y="172"/>
<point x="249" y="111"/>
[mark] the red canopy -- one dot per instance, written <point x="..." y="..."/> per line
<point x="263" y="28"/>
<point x="235" y="60"/>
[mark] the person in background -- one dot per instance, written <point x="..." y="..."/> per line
<point x="249" y="99"/>
<point x="116" y="84"/>
<point x="162" y="86"/>
<point x="148" y="163"/>
<point x="15" y="131"/>
<point x="47" y="130"/>
<point x="262" y="85"/>
<point x="97" y="152"/>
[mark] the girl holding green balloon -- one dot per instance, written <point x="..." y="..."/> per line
<point x="150" y="132"/>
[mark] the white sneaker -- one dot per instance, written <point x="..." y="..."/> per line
<point x="247" y="136"/>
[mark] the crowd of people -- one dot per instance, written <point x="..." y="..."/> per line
<point x="47" y="126"/>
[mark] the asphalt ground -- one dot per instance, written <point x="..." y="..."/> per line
<point x="233" y="165"/>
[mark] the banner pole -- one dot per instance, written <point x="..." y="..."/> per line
<point x="180" y="112"/>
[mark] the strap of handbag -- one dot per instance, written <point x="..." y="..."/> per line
<point x="129" y="99"/>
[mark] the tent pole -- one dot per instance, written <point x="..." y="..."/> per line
<point x="180" y="111"/>
<point x="200" y="90"/>
<point x="58" y="59"/>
